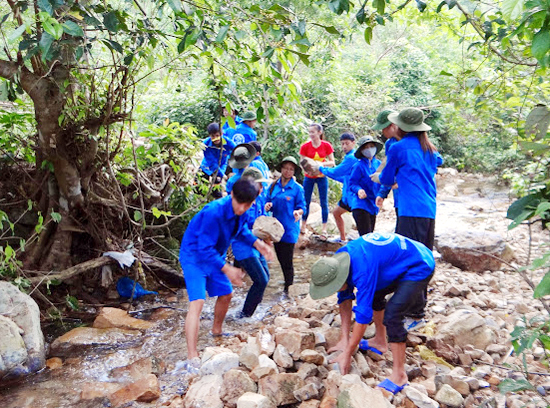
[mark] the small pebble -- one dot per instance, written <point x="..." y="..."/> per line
<point x="541" y="390"/>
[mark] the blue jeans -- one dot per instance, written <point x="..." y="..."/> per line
<point x="406" y="295"/>
<point x="259" y="273"/>
<point x="322" y="186"/>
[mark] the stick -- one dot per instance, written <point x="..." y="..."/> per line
<point x="73" y="271"/>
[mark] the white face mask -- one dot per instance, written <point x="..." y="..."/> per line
<point x="369" y="152"/>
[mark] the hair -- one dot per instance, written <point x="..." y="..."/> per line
<point x="319" y="128"/>
<point x="257" y="146"/>
<point x="347" y="136"/>
<point x="213" y="128"/>
<point x="245" y="190"/>
<point x="425" y="143"/>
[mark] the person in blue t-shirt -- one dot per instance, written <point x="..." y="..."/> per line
<point x="364" y="190"/>
<point x="248" y="257"/>
<point x="286" y="200"/>
<point x="374" y="265"/>
<point x="239" y="160"/>
<point x="413" y="163"/>
<point x="202" y="256"/>
<point x="342" y="174"/>
<point x="216" y="155"/>
<point x="227" y="128"/>
<point x="244" y="132"/>
<point x="390" y="132"/>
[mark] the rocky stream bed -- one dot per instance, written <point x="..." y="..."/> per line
<point x="134" y="356"/>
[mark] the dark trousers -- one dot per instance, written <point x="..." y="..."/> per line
<point x="405" y="295"/>
<point x="422" y="230"/>
<point x="257" y="269"/>
<point x="285" y="254"/>
<point x="364" y="220"/>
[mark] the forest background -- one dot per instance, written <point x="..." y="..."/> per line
<point x="106" y="104"/>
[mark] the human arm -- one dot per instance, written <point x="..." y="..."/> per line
<point x="387" y="176"/>
<point x="344" y="359"/>
<point x="264" y="249"/>
<point x="355" y="178"/>
<point x="345" y="316"/>
<point x="379" y="202"/>
<point x="329" y="161"/>
<point x="340" y="172"/>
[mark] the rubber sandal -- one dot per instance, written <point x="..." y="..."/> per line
<point x="364" y="345"/>
<point x="322" y="238"/>
<point x="221" y="335"/>
<point x="390" y="386"/>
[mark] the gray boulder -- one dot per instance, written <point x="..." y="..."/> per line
<point x="21" y="339"/>
<point x="472" y="250"/>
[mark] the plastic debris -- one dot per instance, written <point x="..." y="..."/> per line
<point x="125" y="258"/>
<point x="125" y="286"/>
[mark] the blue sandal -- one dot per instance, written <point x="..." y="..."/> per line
<point x="390" y="386"/>
<point x="364" y="345"/>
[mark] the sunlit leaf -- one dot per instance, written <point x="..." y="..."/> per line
<point x="543" y="288"/>
<point x="512" y="8"/>
<point x="71" y="28"/>
<point x="537" y="122"/>
<point x="541" y="43"/>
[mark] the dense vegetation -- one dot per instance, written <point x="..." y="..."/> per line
<point x="106" y="103"/>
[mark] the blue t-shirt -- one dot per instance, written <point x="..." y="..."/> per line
<point x="342" y="173"/>
<point x="360" y="179"/>
<point x="210" y="232"/>
<point x="244" y="134"/>
<point x="414" y="170"/>
<point x="285" y="201"/>
<point x="385" y="189"/>
<point x="377" y="261"/>
<point x="212" y="159"/>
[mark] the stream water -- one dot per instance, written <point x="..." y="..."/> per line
<point x="480" y="205"/>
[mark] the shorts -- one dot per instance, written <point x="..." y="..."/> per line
<point x="199" y="280"/>
<point x="343" y="205"/>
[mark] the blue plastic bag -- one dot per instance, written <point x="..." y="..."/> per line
<point x="125" y="286"/>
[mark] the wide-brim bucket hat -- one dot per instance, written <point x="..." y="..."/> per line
<point x="382" y="121"/>
<point x="248" y="115"/>
<point x="255" y="174"/>
<point x="289" y="159"/>
<point x="328" y="275"/>
<point x="241" y="156"/>
<point x="363" y="141"/>
<point x="409" y="120"/>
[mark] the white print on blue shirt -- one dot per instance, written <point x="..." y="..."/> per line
<point x="384" y="238"/>
<point x="238" y="138"/>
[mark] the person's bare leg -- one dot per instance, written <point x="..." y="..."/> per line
<point x="379" y="340"/>
<point x="220" y="310"/>
<point x="338" y="212"/>
<point x="192" y="327"/>
<point x="325" y="229"/>
<point x="398" y="375"/>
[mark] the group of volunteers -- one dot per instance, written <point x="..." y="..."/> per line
<point x="365" y="270"/>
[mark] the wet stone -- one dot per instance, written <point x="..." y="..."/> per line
<point x="111" y="317"/>
<point x="145" y="390"/>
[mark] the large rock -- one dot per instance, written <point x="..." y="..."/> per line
<point x="268" y="228"/>
<point x="205" y="393"/>
<point x="357" y="395"/>
<point x="295" y="342"/>
<point x="462" y="328"/>
<point x="472" y="250"/>
<point x="218" y="360"/>
<point x="76" y="340"/>
<point x="419" y="399"/>
<point x="279" y="388"/>
<point x="145" y="390"/>
<point x="235" y="384"/>
<point x="449" y="396"/>
<point x="252" y="400"/>
<point x="111" y="317"/>
<point x="21" y="339"/>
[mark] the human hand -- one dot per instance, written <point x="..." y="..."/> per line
<point x="297" y="215"/>
<point x="340" y="346"/>
<point x="234" y="274"/>
<point x="361" y="194"/>
<point x="268" y="206"/>
<point x="344" y="362"/>
<point x="375" y="177"/>
<point x="265" y="249"/>
<point x="394" y="186"/>
<point x="379" y="202"/>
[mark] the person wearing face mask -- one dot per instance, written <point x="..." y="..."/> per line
<point x="365" y="191"/>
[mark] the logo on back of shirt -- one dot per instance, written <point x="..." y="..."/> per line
<point x="238" y="138"/>
<point x="383" y="238"/>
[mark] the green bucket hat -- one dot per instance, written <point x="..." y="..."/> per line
<point x="409" y="120"/>
<point x="328" y="275"/>
<point x="289" y="159"/>
<point x="255" y="174"/>
<point x="241" y="156"/>
<point x="363" y="141"/>
<point x="382" y="121"/>
<point x="248" y="115"/>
